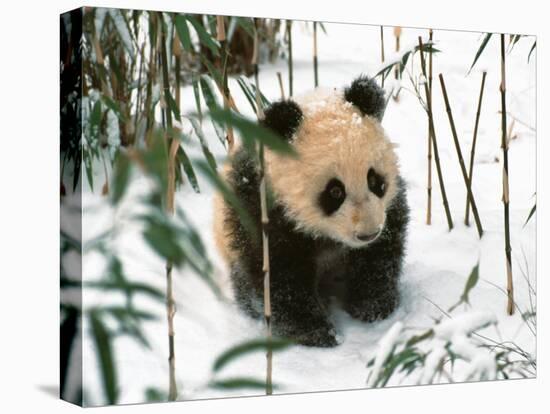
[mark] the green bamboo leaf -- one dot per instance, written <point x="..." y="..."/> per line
<point x="531" y="51"/>
<point x="247" y="24"/>
<point x="419" y="338"/>
<point x="163" y="241"/>
<point x="183" y="160"/>
<point x="471" y="283"/>
<point x="113" y="106"/>
<point x="172" y="105"/>
<point x="247" y="93"/>
<point x="102" y="340"/>
<point x="88" y="166"/>
<point x="204" y="144"/>
<point x="183" y="32"/>
<point x="121" y="177"/>
<point x="131" y="288"/>
<point x="533" y="210"/>
<point x="230" y="197"/>
<point x="238" y="383"/>
<point x="95" y="120"/>
<point x="480" y="50"/>
<point x="196" y="92"/>
<point x="212" y="104"/>
<point x="212" y="70"/>
<point x="251" y="132"/>
<point x="245" y="348"/>
<point x="515" y="39"/>
<point x="204" y="36"/>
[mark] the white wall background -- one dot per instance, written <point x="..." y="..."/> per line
<point x="29" y="204"/>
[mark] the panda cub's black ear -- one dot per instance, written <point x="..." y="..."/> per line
<point x="367" y="96"/>
<point x="283" y="117"/>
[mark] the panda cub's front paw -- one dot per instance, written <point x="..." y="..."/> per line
<point x="321" y="336"/>
<point x="372" y="310"/>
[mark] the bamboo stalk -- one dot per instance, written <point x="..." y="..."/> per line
<point x="473" y="150"/>
<point x="290" y="63"/>
<point x="265" y="225"/>
<point x="281" y="85"/>
<point x="505" y="183"/>
<point x="460" y="159"/>
<point x="315" y="62"/>
<point x="230" y="137"/>
<point x="138" y="98"/>
<point x="170" y="303"/>
<point x="382" y="54"/>
<point x="427" y="90"/>
<point x="397" y="34"/>
<point x="430" y="140"/>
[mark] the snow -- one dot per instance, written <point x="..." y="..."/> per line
<point x="437" y="264"/>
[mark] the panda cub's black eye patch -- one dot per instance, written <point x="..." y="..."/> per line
<point x="376" y="182"/>
<point x="332" y="196"/>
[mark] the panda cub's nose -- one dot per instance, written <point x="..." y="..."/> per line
<point x="364" y="237"/>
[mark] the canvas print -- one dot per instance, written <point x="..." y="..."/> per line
<point x="256" y="206"/>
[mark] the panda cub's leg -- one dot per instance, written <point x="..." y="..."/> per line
<point x="297" y="311"/>
<point x="373" y="276"/>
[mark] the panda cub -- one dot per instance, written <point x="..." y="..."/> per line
<point x="337" y="219"/>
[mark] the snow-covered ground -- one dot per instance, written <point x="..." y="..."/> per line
<point x="438" y="262"/>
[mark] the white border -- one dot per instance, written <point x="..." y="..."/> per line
<point x="29" y="190"/>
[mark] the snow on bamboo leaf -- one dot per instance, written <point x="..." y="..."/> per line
<point x="245" y="348"/>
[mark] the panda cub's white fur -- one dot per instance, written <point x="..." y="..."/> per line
<point x="334" y="140"/>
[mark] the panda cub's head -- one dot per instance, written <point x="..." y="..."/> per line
<point x="346" y="174"/>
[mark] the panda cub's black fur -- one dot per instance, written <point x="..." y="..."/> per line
<point x="308" y="268"/>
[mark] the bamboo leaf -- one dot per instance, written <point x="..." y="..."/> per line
<point x="204" y="36"/>
<point x="531" y="51"/>
<point x="471" y="283"/>
<point x="212" y="104"/>
<point x="230" y="197"/>
<point x="204" y="144"/>
<point x="533" y="210"/>
<point x="247" y="93"/>
<point x="275" y="344"/>
<point x="103" y="346"/>
<point x="172" y="105"/>
<point x="95" y="121"/>
<point x="183" y="33"/>
<point x="163" y="241"/>
<point x="196" y="92"/>
<point x="121" y="177"/>
<point x="113" y="106"/>
<point x="237" y="383"/>
<point x="183" y="159"/>
<point x="480" y="50"/>
<point x="246" y="24"/>
<point x="251" y="132"/>
<point x="88" y="166"/>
